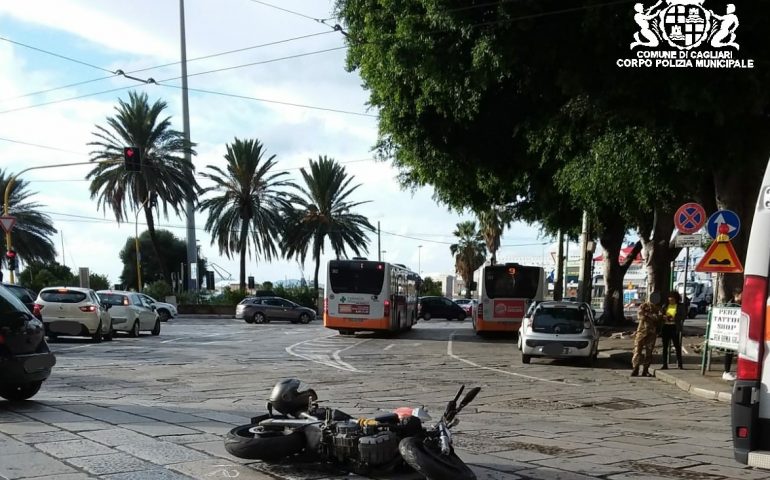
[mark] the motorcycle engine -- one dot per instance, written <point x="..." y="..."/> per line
<point x="363" y="446"/>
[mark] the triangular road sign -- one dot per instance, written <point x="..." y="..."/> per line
<point x="720" y="258"/>
<point x="7" y="223"/>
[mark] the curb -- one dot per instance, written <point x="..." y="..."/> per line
<point x="708" y="394"/>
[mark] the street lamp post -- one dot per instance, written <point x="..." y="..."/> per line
<point x="136" y="246"/>
<point x="419" y="260"/>
<point x="383" y="254"/>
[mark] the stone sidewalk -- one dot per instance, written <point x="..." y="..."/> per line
<point x="619" y="347"/>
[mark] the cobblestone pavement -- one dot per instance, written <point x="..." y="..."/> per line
<point x="157" y="407"/>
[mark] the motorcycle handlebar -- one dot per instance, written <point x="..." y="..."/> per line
<point x="469" y="397"/>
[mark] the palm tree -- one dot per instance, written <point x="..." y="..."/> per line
<point x="492" y="222"/>
<point x="469" y="252"/>
<point x="322" y="210"/>
<point x="246" y="213"/>
<point x="166" y="176"/>
<point x="32" y="234"/>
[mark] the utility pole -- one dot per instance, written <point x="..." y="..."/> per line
<point x="379" y="251"/>
<point x="584" y="280"/>
<point x="566" y="266"/>
<point x="558" y="284"/>
<point x="192" y="254"/>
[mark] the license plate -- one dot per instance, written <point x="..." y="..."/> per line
<point x="565" y="351"/>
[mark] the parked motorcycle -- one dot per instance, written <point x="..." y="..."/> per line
<point x="301" y="429"/>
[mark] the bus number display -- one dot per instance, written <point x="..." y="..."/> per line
<point x="353" y="308"/>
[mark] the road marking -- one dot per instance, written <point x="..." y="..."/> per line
<point x="506" y="372"/>
<point x="317" y="350"/>
<point x="389" y="346"/>
<point x="85" y="345"/>
<point x="172" y="340"/>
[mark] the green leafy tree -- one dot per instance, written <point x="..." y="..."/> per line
<point x="304" y="296"/>
<point x="492" y="222"/>
<point x="430" y="288"/>
<point x="166" y="179"/>
<point x="322" y="210"/>
<point x="173" y="252"/>
<point x="244" y="216"/>
<point x="98" y="281"/>
<point x="158" y="290"/>
<point x="33" y="231"/>
<point x="469" y="252"/>
<point x="38" y="275"/>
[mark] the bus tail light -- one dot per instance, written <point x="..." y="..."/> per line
<point x="742" y="432"/>
<point x="752" y="327"/>
<point x="326" y="305"/>
<point x="387" y="307"/>
<point x="479" y="311"/>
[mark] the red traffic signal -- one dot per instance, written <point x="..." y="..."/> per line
<point x="132" y="159"/>
<point x="13" y="261"/>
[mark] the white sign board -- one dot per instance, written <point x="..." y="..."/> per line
<point x="723" y="332"/>
<point x="682" y="241"/>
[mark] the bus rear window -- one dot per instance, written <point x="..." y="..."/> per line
<point x="356" y="277"/>
<point x="511" y="282"/>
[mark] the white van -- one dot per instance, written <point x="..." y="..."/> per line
<point x="751" y="392"/>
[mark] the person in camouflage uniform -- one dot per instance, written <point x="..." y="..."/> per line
<point x="649" y="318"/>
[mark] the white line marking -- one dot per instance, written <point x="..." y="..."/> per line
<point x="506" y="372"/>
<point x="78" y="346"/>
<point x="172" y="340"/>
<point x="685" y="350"/>
<point x="323" y="358"/>
<point x="389" y="346"/>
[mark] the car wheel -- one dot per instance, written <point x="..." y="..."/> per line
<point x="248" y="318"/>
<point x="20" y="391"/>
<point x="164" y="315"/>
<point x="259" y="317"/>
<point x="156" y="328"/>
<point x="134" y="332"/>
<point x="461" y="317"/>
<point x="304" y="319"/>
<point x="97" y="336"/>
<point x="526" y="359"/>
<point x="426" y="316"/>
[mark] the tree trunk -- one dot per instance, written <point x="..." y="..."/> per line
<point x="558" y="283"/>
<point x="244" y="242"/>
<point x="154" y="240"/>
<point x="317" y="256"/>
<point x="658" y="252"/>
<point x="611" y="238"/>
<point x="493" y="260"/>
<point x="736" y="191"/>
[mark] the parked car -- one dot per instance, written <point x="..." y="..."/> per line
<point x="439" y="307"/>
<point x="559" y="330"/>
<point x="27" y="297"/>
<point x="25" y="360"/>
<point x="467" y="304"/>
<point x="130" y="312"/>
<point x="166" y="311"/>
<point x="75" y="311"/>
<point x="266" y="309"/>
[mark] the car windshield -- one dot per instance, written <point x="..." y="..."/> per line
<point x="113" y="298"/>
<point x="558" y="320"/>
<point x="62" y="296"/>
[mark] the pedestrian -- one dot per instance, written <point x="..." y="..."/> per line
<point x="674" y="314"/>
<point x="649" y="317"/>
<point x="734" y="302"/>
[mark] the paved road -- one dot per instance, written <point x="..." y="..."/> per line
<point x="157" y="407"/>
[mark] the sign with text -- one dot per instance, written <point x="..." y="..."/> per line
<point x="682" y="241"/>
<point x="723" y="331"/>
<point x="509" y="309"/>
<point x="353" y="308"/>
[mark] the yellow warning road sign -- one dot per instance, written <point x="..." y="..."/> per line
<point x="720" y="258"/>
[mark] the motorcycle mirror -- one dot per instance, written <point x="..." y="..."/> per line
<point x="459" y="392"/>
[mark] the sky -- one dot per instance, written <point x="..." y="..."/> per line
<point x="44" y="124"/>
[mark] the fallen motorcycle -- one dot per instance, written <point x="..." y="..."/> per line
<point x="303" y="430"/>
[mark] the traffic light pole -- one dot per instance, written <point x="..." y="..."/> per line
<point x="7" y="195"/>
<point x="136" y="246"/>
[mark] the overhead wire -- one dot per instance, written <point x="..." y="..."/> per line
<point x="54" y="54"/>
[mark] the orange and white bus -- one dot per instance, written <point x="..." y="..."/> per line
<point x="364" y="295"/>
<point x="505" y="292"/>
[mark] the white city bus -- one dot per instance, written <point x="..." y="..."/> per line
<point x="505" y="292"/>
<point x="751" y="392"/>
<point x="363" y="295"/>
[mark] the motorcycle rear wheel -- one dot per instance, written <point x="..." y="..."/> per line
<point x="432" y="464"/>
<point x="264" y="444"/>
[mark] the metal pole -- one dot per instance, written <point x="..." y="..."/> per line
<point x="419" y="260"/>
<point x="379" y="254"/>
<point x="136" y="246"/>
<point x="684" y="291"/>
<point x="582" y="282"/>
<point x="566" y="266"/>
<point x="192" y="257"/>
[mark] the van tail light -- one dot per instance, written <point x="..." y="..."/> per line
<point x="752" y="327"/>
<point x="37" y="310"/>
<point x="387" y="308"/>
<point x="326" y="305"/>
<point x="88" y="308"/>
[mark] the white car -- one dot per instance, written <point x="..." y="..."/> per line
<point x="130" y="313"/>
<point x="559" y="330"/>
<point x="74" y="311"/>
<point x="166" y="311"/>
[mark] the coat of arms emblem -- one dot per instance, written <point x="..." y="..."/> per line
<point x="684" y="25"/>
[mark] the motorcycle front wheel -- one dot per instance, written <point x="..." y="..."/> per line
<point x="431" y="463"/>
<point x="255" y="443"/>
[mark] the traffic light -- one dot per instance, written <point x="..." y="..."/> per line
<point x="132" y="159"/>
<point x="251" y="283"/>
<point x="210" y="280"/>
<point x="13" y="261"/>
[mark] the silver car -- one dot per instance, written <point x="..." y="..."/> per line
<point x="559" y="330"/>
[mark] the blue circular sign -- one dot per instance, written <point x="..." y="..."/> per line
<point x="727" y="217"/>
